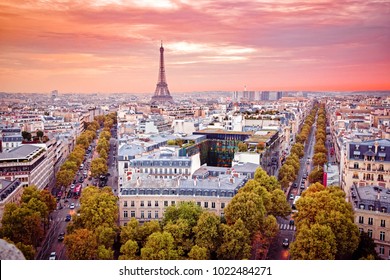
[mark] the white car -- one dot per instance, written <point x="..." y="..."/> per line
<point x="52" y="256"/>
<point x="71" y="206"/>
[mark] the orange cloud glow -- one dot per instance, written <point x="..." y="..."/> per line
<point x="113" y="45"/>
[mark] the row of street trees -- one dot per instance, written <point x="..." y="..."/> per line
<point x="69" y="168"/>
<point x="26" y="222"/>
<point x="92" y="231"/>
<point x="99" y="164"/>
<point x="289" y="171"/>
<point x="320" y="156"/>
<point x="325" y="226"/>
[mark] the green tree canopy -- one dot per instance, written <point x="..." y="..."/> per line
<point x="298" y="149"/>
<point x="316" y="175"/>
<point x="129" y="250"/>
<point x="26" y="135"/>
<point x="70" y="165"/>
<point x="315" y="243"/>
<point x="270" y="183"/>
<point x="187" y="210"/>
<point x="182" y="236"/>
<point x="279" y="205"/>
<point x="242" y="147"/>
<point x="319" y="159"/>
<point x="98" y="167"/>
<point x="327" y="207"/>
<point x="159" y="246"/>
<point x="366" y="248"/>
<point x="198" y="253"/>
<point x="207" y="233"/>
<point x="64" y="177"/>
<point x="247" y="207"/>
<point x="235" y="242"/>
<point x="98" y="208"/>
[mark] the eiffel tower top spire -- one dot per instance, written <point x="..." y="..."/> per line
<point x="161" y="94"/>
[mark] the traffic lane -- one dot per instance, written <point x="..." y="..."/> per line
<point x="59" y="225"/>
<point x="277" y="251"/>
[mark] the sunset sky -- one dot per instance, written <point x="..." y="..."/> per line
<point x="113" y="45"/>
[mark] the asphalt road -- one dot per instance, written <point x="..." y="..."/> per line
<point x="58" y="222"/>
<point x="277" y="251"/>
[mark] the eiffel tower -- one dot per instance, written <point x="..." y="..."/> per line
<point x="161" y="94"/>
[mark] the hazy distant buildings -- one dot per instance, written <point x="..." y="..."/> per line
<point x="264" y="96"/>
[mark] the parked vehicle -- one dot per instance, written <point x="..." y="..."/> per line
<point x="286" y="242"/>
<point x="52" y="256"/>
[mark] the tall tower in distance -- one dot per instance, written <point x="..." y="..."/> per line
<point x="161" y="94"/>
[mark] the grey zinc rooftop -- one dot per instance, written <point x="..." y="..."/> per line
<point x="130" y="150"/>
<point x="20" y="152"/>
<point x="224" y="185"/>
<point x="373" y="193"/>
<point x="246" y="167"/>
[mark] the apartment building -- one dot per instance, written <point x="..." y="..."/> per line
<point x="30" y="164"/>
<point x="365" y="163"/>
<point x="372" y="215"/>
<point x="10" y="191"/>
<point x="146" y="198"/>
<point x="11" y="137"/>
<point x="164" y="164"/>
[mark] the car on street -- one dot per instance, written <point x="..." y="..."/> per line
<point x="294" y="185"/>
<point x="285" y="242"/>
<point x="52" y="256"/>
<point x="61" y="236"/>
<point x="68" y="218"/>
<point x="291" y="222"/>
<point x="292" y="196"/>
<point x="71" y="206"/>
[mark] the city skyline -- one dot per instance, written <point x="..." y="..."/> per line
<point x="113" y="46"/>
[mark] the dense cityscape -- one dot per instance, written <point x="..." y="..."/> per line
<point x="192" y="175"/>
<point x="224" y="175"/>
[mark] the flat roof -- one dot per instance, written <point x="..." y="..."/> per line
<point x="193" y="137"/>
<point x="372" y="193"/>
<point x="222" y="131"/>
<point x="20" y="152"/>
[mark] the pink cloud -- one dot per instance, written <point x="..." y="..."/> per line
<point x="210" y="45"/>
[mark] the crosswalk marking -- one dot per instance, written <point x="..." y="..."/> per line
<point x="287" y="227"/>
